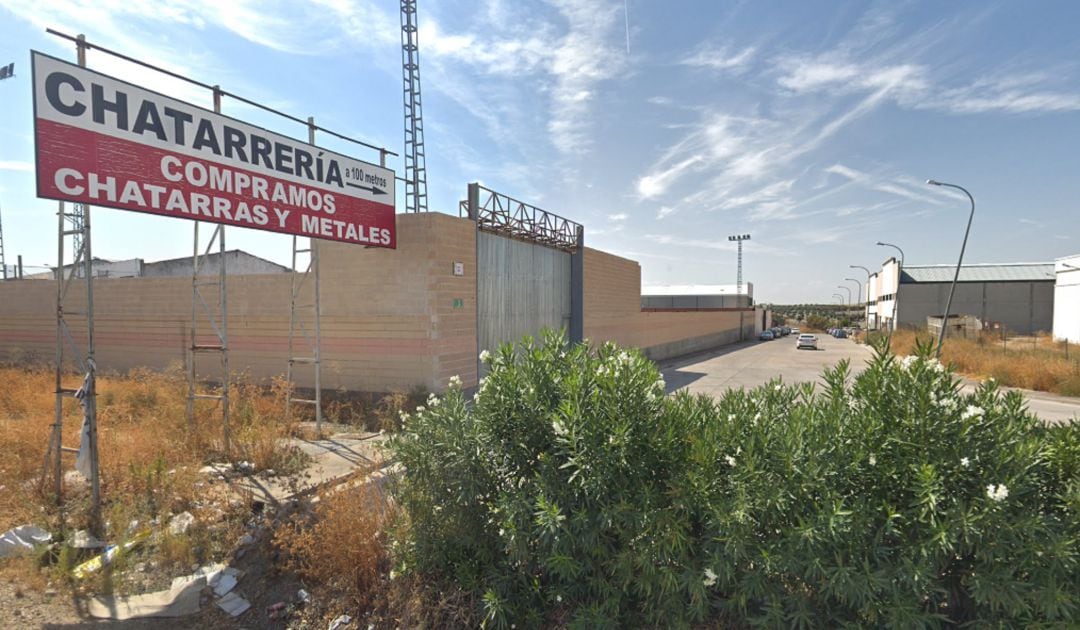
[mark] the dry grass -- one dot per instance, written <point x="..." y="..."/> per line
<point x="341" y="543"/>
<point x="149" y="453"/>
<point x="1036" y="363"/>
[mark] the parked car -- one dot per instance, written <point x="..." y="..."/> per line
<point x="794" y="331"/>
<point x="766" y="335"/>
<point x="785" y="330"/>
<point x="806" y="341"/>
<point x="839" y="333"/>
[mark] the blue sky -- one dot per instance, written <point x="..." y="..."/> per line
<point x="662" y="126"/>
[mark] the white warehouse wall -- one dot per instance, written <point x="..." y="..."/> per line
<point x="1067" y="298"/>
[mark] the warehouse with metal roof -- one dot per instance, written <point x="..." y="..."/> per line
<point x="1016" y="297"/>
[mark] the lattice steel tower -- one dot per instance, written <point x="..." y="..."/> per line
<point x="415" y="164"/>
<point x="739" y="238"/>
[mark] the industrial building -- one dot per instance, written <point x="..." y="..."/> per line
<point x="1016" y="297"/>
<point x="690" y="296"/>
<point x="236" y="262"/>
<point x="1067" y="298"/>
<point x="390" y="319"/>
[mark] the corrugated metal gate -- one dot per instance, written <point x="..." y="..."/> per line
<point x="522" y="288"/>
<point x="529" y="273"/>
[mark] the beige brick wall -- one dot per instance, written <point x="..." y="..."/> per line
<point x="613" y="313"/>
<point x="388" y="316"/>
<point x="389" y="319"/>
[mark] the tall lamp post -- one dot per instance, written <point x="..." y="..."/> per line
<point x="898" y="272"/>
<point x="866" y="296"/>
<point x="846" y="288"/>
<point x="858" y="295"/>
<point x="839" y="297"/>
<point x="956" y="276"/>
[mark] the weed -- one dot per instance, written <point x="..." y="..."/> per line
<point x="1035" y="362"/>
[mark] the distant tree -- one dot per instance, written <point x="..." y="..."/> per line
<point x="817" y="321"/>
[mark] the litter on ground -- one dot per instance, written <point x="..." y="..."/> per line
<point x="21" y="540"/>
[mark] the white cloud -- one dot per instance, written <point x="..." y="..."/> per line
<point x="15" y="165"/>
<point x="653" y="185"/>
<point x="721" y="59"/>
<point x="621" y="216"/>
<point x="803" y="75"/>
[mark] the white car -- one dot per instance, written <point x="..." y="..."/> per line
<point x="806" y="341"/>
<point x="794" y="331"/>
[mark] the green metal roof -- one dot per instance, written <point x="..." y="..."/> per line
<point x="1008" y="272"/>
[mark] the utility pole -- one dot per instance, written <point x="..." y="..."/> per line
<point x="739" y="238"/>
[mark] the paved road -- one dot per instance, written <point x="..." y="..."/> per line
<point x="754" y="363"/>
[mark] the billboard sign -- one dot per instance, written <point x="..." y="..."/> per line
<point x="106" y="142"/>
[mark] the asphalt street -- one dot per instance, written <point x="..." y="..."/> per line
<point x="754" y="363"/>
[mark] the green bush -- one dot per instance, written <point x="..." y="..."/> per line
<point x="571" y="491"/>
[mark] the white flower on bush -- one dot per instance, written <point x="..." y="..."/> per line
<point x="710" y="578"/>
<point x="433" y="401"/>
<point x="455" y="381"/>
<point x="404" y="416"/>
<point x="965" y="462"/>
<point x="872" y="460"/>
<point x="731" y="417"/>
<point x="935" y="365"/>
<point x="485" y="356"/>
<point x="421" y="409"/>
<point x="997" y="493"/>
<point x="558" y="427"/>
<point x="778" y="387"/>
<point x="558" y="598"/>
<point x="908" y="361"/>
<point x="972" y="412"/>
<point x="730" y="460"/>
<point x="661" y="383"/>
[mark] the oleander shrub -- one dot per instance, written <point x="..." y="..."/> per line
<point x="571" y="491"/>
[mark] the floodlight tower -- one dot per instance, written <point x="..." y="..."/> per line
<point x="739" y="238"/>
<point x="415" y="162"/>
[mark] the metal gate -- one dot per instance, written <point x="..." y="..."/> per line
<point x="522" y="288"/>
<point x="528" y="269"/>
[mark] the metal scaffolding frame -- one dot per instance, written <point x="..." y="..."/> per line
<point x="496" y="212"/>
<point x="70" y="224"/>
<point x="415" y="162"/>
<point x="218" y="320"/>
<point x="77" y="226"/>
<point x="313" y="336"/>
<point x="79" y="231"/>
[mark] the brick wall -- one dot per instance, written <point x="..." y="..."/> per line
<point x="388" y="316"/>
<point x="391" y="319"/>
<point x="613" y="313"/>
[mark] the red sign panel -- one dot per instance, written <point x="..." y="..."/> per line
<point x="109" y="143"/>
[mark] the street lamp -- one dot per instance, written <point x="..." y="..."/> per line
<point x="846" y="288"/>
<point x="866" y="315"/>
<point x="857" y="283"/>
<point x="956" y="276"/>
<point x="840" y="297"/>
<point x="898" y="273"/>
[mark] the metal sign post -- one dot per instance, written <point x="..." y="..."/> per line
<point x="82" y="268"/>
<point x="313" y="338"/>
<point x="218" y="321"/>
